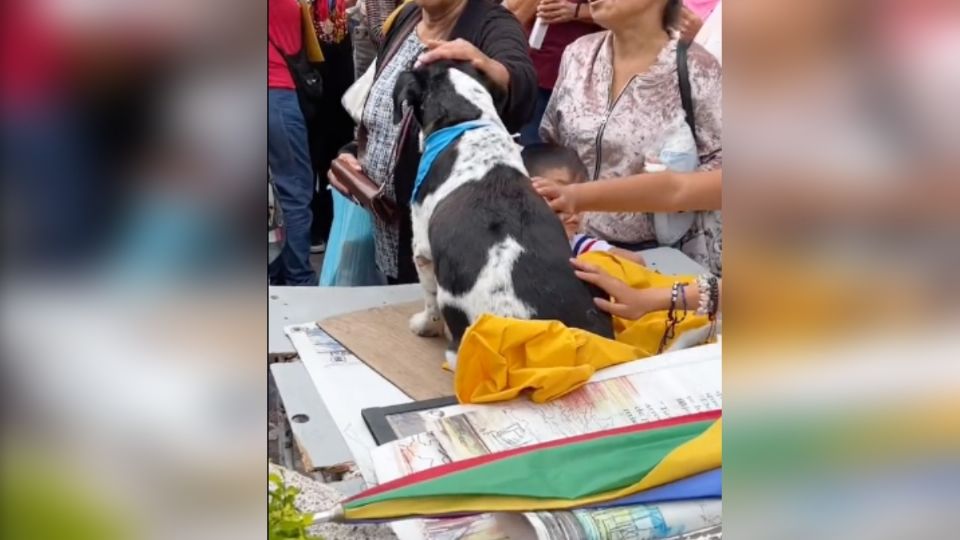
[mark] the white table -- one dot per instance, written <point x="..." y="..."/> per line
<point x="293" y="305"/>
<point x="339" y="386"/>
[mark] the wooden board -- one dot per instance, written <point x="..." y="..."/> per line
<point x="382" y="339"/>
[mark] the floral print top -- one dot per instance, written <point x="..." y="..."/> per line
<point x="613" y="134"/>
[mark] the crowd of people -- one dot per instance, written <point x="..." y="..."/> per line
<point x="618" y="111"/>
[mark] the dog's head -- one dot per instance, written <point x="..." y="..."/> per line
<point x="444" y="94"/>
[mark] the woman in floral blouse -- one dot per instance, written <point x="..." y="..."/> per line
<point x="617" y="96"/>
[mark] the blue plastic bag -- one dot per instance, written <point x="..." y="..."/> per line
<point x="350" y="259"/>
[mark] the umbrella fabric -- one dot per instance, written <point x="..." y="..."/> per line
<point x="568" y="473"/>
<point x="500" y="358"/>
<point x="699" y="486"/>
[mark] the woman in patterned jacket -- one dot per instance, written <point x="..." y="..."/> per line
<point x="479" y="31"/>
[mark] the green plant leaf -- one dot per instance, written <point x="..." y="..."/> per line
<point x="285" y="521"/>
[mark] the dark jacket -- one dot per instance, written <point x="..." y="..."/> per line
<point x="496" y="32"/>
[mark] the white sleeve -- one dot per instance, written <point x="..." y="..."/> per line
<point x="581" y="243"/>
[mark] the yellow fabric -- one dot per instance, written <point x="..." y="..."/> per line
<point x="703" y="453"/>
<point x="388" y="23"/>
<point x="499" y="358"/>
<point x="310" y="40"/>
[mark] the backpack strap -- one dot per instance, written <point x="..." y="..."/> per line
<point x="686" y="94"/>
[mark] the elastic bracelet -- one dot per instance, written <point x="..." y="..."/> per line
<point x="703" y="283"/>
<point x="683" y="298"/>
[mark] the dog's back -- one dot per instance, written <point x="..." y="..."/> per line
<point x="498" y="248"/>
<point x="484" y="241"/>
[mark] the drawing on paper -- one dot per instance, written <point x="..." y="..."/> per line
<point x="463" y="438"/>
<point x="470" y="527"/>
<point x="322" y="342"/>
<point x="420" y="452"/>
<point x="413" y="422"/>
<point x="640" y="523"/>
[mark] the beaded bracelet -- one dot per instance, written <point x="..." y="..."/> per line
<point x="703" y="283"/>
<point x="671" y="323"/>
<point x="714" y="297"/>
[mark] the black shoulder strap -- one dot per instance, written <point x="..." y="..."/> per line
<point x="275" y="46"/>
<point x="686" y="94"/>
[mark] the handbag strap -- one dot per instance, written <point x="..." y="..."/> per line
<point x="396" y="39"/>
<point x="686" y="94"/>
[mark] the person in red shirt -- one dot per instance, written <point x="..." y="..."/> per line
<point x="569" y="21"/>
<point x="288" y="153"/>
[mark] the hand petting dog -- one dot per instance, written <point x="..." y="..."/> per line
<point x="625" y="302"/>
<point x="461" y="50"/>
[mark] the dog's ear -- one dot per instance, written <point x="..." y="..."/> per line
<point x="409" y="90"/>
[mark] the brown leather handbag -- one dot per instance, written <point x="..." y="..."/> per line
<point x="363" y="191"/>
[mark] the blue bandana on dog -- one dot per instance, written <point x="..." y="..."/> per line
<point x="437" y="142"/>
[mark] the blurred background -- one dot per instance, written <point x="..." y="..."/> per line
<point x="842" y="214"/>
<point x="133" y="299"/>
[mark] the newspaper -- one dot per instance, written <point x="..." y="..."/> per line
<point x="668" y="386"/>
<point x="638" y="522"/>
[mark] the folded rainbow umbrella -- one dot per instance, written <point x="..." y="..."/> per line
<point x="577" y="472"/>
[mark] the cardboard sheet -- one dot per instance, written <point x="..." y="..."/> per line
<point x="382" y="339"/>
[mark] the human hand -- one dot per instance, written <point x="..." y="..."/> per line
<point x="556" y="11"/>
<point x="689" y="25"/>
<point x="461" y="50"/>
<point x="561" y="198"/>
<point x="571" y="224"/>
<point x="348" y="160"/>
<point x="625" y="301"/>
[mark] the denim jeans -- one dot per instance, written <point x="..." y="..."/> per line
<point x="289" y="160"/>
<point x="530" y="133"/>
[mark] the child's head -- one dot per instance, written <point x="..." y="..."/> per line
<point x="560" y="164"/>
<point x="555" y="163"/>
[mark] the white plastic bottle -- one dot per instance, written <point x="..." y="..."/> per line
<point x="538" y="33"/>
<point x="677" y="151"/>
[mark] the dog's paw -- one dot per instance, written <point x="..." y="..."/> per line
<point x="425" y="324"/>
<point x="451" y="360"/>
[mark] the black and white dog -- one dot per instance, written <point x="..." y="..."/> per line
<point x="483" y="240"/>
